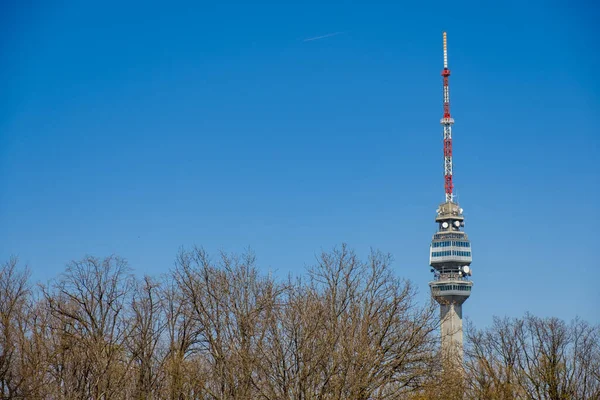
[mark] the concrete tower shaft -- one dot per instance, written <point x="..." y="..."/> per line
<point x="452" y="331"/>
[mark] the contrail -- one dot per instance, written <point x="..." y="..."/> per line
<point x="322" y="37"/>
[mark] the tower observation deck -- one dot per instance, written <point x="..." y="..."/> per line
<point x="450" y="250"/>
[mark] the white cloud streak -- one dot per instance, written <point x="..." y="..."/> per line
<point x="322" y="37"/>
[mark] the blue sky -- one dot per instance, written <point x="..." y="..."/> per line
<point x="139" y="128"/>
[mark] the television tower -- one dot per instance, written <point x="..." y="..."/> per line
<point x="450" y="249"/>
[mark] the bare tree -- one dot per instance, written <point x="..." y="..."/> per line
<point x="352" y="331"/>
<point x="144" y="340"/>
<point x="88" y="306"/>
<point x="14" y="309"/>
<point x="182" y="369"/>
<point x="228" y="306"/>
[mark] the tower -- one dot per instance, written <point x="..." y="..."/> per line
<point x="450" y="249"/>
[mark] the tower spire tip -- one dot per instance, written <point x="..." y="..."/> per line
<point x="445" y="51"/>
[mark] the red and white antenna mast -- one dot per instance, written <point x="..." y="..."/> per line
<point x="447" y="121"/>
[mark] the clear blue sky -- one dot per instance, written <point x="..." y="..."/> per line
<point x="138" y="128"/>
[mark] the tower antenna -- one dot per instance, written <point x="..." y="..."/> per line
<point x="447" y="121"/>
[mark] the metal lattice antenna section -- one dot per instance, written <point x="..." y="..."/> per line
<point x="447" y="121"/>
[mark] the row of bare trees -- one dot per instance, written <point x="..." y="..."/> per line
<point x="215" y="328"/>
<point x="534" y="358"/>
